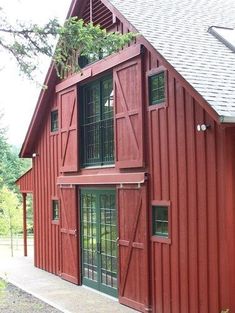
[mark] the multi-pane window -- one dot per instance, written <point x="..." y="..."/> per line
<point x="55" y="210"/>
<point x="161" y="221"/>
<point x="54" y="121"/>
<point x="97" y="137"/>
<point x="157" y="88"/>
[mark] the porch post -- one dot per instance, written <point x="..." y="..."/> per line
<point x="24" y="195"/>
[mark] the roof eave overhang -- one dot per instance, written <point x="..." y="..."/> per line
<point x="28" y="144"/>
<point x="50" y="81"/>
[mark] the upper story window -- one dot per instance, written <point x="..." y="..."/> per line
<point x="157" y="88"/>
<point x="97" y="137"/>
<point x="54" y="121"/>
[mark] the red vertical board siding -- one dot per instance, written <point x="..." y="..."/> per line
<point x="45" y="166"/>
<point x="213" y="222"/>
<point x="25" y="182"/>
<point x="192" y="273"/>
<point x="128" y="114"/>
<point x="187" y="168"/>
<point x="182" y="199"/>
<point x="192" y="206"/>
<point x="202" y="213"/>
<point x="133" y="248"/>
<point x="222" y="244"/>
<point x="230" y="209"/>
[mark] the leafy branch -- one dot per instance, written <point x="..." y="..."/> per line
<point x="80" y="39"/>
<point x="26" y="43"/>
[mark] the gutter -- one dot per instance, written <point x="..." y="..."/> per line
<point x="226" y="119"/>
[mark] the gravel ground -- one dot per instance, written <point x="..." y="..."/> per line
<point x="15" y="300"/>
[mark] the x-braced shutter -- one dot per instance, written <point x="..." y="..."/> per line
<point x="68" y="130"/>
<point x="69" y="238"/>
<point x="133" y="248"/>
<point x="129" y="114"/>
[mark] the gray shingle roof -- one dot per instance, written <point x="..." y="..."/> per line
<point x="178" y="29"/>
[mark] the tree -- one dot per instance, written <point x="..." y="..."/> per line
<point x="27" y="42"/>
<point x="11" y="167"/>
<point x="10" y="214"/>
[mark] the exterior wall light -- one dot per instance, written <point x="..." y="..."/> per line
<point x="35" y="154"/>
<point x="202" y="127"/>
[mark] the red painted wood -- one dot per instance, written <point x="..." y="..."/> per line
<point x="128" y="114"/>
<point x="230" y="208"/>
<point x="100" y="67"/>
<point x="69" y="239"/>
<point x="192" y="205"/>
<point x="45" y="165"/>
<point x="133" y="248"/>
<point x="103" y="179"/>
<point x="25" y="182"/>
<point x="68" y="130"/>
<point x="193" y="270"/>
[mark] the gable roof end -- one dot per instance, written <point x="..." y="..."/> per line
<point x="178" y="30"/>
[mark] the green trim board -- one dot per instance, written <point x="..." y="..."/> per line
<point x="99" y="239"/>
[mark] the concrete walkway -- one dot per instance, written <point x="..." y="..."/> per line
<point x="62" y="295"/>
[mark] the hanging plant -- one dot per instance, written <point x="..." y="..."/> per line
<point x="77" y="39"/>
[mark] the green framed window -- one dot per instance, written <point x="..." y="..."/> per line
<point x="97" y="136"/>
<point x="157" y="88"/>
<point x="160" y="216"/>
<point x="54" y="121"/>
<point x="55" y="210"/>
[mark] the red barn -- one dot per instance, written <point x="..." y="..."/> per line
<point x="133" y="173"/>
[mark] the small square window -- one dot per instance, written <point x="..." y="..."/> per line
<point x="157" y="88"/>
<point x="160" y="221"/>
<point x="55" y="210"/>
<point x="54" y="121"/>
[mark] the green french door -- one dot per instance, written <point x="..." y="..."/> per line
<point x="99" y="240"/>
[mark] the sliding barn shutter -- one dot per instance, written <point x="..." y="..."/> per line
<point x="69" y="239"/>
<point x="68" y="130"/>
<point x="129" y="114"/>
<point x="133" y="248"/>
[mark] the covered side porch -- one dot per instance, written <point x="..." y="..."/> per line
<point x="25" y="185"/>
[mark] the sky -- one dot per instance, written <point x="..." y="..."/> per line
<point x="18" y="96"/>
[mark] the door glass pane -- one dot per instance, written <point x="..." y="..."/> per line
<point x="108" y="240"/>
<point x="89" y="236"/>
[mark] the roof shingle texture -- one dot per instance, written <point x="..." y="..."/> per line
<point x="178" y="30"/>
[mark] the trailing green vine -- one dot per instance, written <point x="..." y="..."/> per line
<point x="80" y="39"/>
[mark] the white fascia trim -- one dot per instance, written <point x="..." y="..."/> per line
<point x="227" y="119"/>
